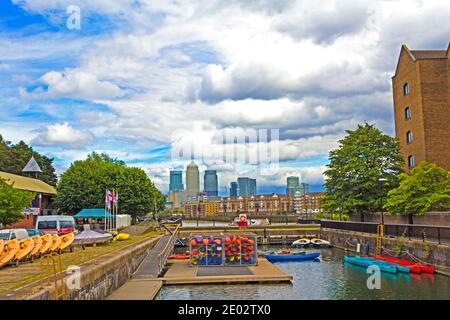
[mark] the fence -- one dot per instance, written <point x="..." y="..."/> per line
<point x="167" y="251"/>
<point x="440" y="234"/>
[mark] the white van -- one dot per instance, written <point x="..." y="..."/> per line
<point x="60" y="225"/>
<point x="10" y="234"/>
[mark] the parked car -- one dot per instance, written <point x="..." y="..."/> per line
<point x="10" y="234"/>
<point x="60" y="225"/>
<point x="34" y="232"/>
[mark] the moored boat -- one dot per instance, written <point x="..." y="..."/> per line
<point x="356" y="260"/>
<point x="303" y="242"/>
<point x="320" y="243"/>
<point x="291" y="257"/>
<point x="385" y="263"/>
<point x="406" y="263"/>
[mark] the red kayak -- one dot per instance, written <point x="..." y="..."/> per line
<point x="413" y="266"/>
<point x="179" y="256"/>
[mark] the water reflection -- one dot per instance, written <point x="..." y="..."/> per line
<point x="327" y="278"/>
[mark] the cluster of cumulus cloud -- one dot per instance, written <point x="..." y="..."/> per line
<point x="173" y="71"/>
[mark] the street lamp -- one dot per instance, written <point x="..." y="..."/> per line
<point x="380" y="182"/>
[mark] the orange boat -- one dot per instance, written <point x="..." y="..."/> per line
<point x="37" y="246"/>
<point x="66" y="240"/>
<point x="47" y="240"/>
<point x="25" y="248"/>
<point x="179" y="256"/>
<point x="56" y="241"/>
<point x="9" y="252"/>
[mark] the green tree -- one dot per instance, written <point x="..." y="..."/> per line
<point x="84" y="184"/>
<point x="425" y="188"/>
<point x="12" y="203"/>
<point x="352" y="177"/>
<point x="13" y="159"/>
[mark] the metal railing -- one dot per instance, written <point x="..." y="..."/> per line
<point x="167" y="251"/>
<point x="439" y="234"/>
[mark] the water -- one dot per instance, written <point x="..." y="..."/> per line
<point x="328" y="278"/>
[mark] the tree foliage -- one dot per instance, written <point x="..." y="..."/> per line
<point x="12" y="203"/>
<point x="352" y="177"/>
<point x="425" y="188"/>
<point x="84" y="184"/>
<point x="13" y="158"/>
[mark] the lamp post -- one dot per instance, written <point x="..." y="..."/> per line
<point x="380" y="183"/>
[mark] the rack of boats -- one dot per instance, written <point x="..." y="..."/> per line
<point x="390" y="264"/>
<point x="15" y="251"/>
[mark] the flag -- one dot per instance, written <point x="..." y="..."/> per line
<point x="108" y="199"/>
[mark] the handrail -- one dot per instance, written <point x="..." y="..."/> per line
<point x="165" y="253"/>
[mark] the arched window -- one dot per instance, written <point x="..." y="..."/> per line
<point x="406" y="89"/>
<point x="407" y="113"/>
<point x="410" y="161"/>
<point x="409" y="137"/>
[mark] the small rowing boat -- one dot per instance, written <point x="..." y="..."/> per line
<point x="320" y="243"/>
<point x="366" y="263"/>
<point x="291" y="257"/>
<point x="303" y="242"/>
<point x="405" y="263"/>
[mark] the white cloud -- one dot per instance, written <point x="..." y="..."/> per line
<point x="62" y="134"/>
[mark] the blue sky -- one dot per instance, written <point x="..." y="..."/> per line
<point x="143" y="78"/>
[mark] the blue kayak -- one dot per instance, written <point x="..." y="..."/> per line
<point x="390" y="264"/>
<point x="366" y="263"/>
<point x="291" y="257"/>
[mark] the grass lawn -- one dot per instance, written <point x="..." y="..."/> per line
<point x="12" y="277"/>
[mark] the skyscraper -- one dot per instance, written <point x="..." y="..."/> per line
<point x="233" y="189"/>
<point x="252" y="187"/>
<point x="176" y="181"/>
<point x="210" y="182"/>
<point x="192" y="180"/>
<point x="293" y="185"/>
<point x="247" y="186"/>
<point x="304" y="188"/>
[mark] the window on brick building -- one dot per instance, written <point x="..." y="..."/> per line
<point x="407" y="113"/>
<point x="410" y="161"/>
<point x="409" y="137"/>
<point x="406" y="89"/>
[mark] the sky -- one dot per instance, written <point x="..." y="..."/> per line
<point x="143" y="80"/>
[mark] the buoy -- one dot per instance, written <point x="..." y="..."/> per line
<point x="193" y="242"/>
<point x="250" y="241"/>
<point x="205" y="241"/>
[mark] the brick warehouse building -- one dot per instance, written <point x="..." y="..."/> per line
<point x="421" y="91"/>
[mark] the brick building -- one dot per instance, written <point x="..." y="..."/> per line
<point x="422" y="106"/>
<point x="257" y="205"/>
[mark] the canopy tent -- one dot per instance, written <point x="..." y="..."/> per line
<point x="93" y="214"/>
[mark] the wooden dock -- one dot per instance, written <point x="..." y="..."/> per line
<point x="180" y="272"/>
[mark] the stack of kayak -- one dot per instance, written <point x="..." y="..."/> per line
<point x="413" y="266"/>
<point x="386" y="266"/>
<point x="15" y="251"/>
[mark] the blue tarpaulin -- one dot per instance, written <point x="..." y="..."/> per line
<point x="92" y="214"/>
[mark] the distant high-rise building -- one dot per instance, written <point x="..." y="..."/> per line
<point x="293" y="185"/>
<point x="211" y="185"/>
<point x="246" y="186"/>
<point x="176" y="181"/>
<point x="233" y="189"/>
<point x="192" y="180"/>
<point x="252" y="187"/>
<point x="243" y="186"/>
<point x="304" y="188"/>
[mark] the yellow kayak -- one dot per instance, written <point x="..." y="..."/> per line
<point x="2" y="245"/>
<point x="66" y="240"/>
<point x="47" y="240"/>
<point x="56" y="241"/>
<point x="25" y="248"/>
<point x="37" y="246"/>
<point x="122" y="236"/>
<point x="9" y="251"/>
